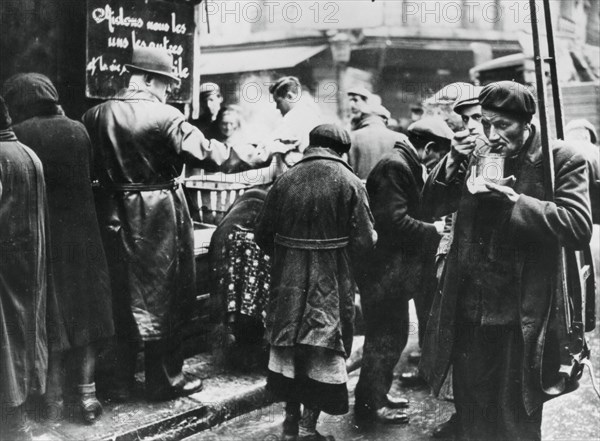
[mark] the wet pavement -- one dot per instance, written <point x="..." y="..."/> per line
<point x="573" y="417"/>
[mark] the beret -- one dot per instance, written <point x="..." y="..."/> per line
<point x="209" y="88"/>
<point x="26" y="89"/>
<point x="509" y="97"/>
<point x="331" y="136"/>
<point x="469" y="96"/>
<point x="5" y="121"/>
<point x="433" y="128"/>
<point x="583" y="124"/>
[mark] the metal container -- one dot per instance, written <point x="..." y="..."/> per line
<point x="490" y="166"/>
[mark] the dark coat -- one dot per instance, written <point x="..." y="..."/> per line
<point x="139" y="148"/>
<point x="315" y="203"/>
<point x="28" y="310"/>
<point x="531" y="229"/>
<point x="407" y="239"/>
<point x="79" y="264"/>
<point x="591" y="153"/>
<point x="370" y="142"/>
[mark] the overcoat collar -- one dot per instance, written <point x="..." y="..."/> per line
<point x="313" y="153"/>
<point x="370" y="120"/>
<point x="127" y="94"/>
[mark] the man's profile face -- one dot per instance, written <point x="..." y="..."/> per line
<point x="471" y="117"/>
<point x="505" y="133"/>
<point x="358" y="105"/>
<point x="282" y="104"/>
<point x="160" y="87"/>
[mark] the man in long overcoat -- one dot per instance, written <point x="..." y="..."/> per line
<point x="400" y="268"/>
<point x="140" y="145"/>
<point x="489" y="319"/>
<point x="315" y="224"/>
<point x="371" y="141"/>
<point x="28" y="312"/>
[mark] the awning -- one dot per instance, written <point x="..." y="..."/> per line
<point x="251" y="60"/>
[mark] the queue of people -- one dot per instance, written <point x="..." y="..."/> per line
<point x="97" y="244"/>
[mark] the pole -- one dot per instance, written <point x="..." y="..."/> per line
<point x="541" y="94"/>
<point x="556" y="93"/>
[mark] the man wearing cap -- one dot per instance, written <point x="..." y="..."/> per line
<point x="490" y="316"/>
<point x="467" y="107"/>
<point x="400" y="268"/>
<point x="140" y="145"/>
<point x="371" y="140"/>
<point x="211" y="101"/>
<point x="361" y="103"/>
<point x="315" y="224"/>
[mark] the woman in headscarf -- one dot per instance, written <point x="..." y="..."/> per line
<point x="79" y="262"/>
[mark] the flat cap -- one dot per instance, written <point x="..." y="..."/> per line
<point x="583" y="124"/>
<point x="209" y="88"/>
<point x="5" y="121"/>
<point x="509" y="97"/>
<point x="360" y="91"/>
<point x="433" y="128"/>
<point x="381" y="111"/>
<point x="447" y="94"/>
<point x="330" y="136"/>
<point x="469" y="96"/>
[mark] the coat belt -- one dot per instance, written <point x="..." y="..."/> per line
<point x="170" y="185"/>
<point x="312" y="244"/>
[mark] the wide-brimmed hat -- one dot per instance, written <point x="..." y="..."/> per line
<point x="153" y="60"/>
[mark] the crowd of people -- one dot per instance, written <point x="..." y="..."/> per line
<point x="96" y="236"/>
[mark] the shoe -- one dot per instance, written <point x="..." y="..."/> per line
<point x="414" y="357"/>
<point x="316" y="437"/>
<point x="396" y="402"/>
<point x="54" y="407"/>
<point x="412" y="379"/>
<point x="116" y="394"/>
<point x="446" y="430"/>
<point x="190" y="386"/>
<point x="91" y="409"/>
<point x="383" y="415"/>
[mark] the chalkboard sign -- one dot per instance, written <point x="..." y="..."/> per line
<point x="115" y="27"/>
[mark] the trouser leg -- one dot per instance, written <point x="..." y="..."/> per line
<point x="487" y="386"/>
<point x="163" y="361"/>
<point x="385" y="338"/>
<point x="308" y="422"/>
